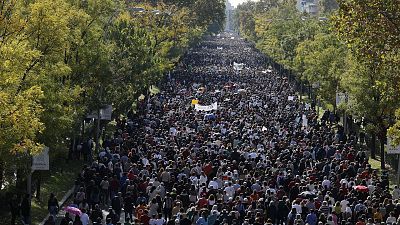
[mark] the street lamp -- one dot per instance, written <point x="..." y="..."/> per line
<point x="316" y="86"/>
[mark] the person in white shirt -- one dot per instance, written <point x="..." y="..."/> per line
<point x="271" y="189"/>
<point x="160" y="221"/>
<point x="396" y="192"/>
<point x="85" y="218"/>
<point x="391" y="219"/>
<point x="371" y="188"/>
<point x="110" y="166"/>
<point x="203" y="178"/>
<point x="194" y="180"/>
<point x="230" y="191"/>
<point x="326" y="183"/>
<point x="343" y="204"/>
<point x="311" y="186"/>
<point x="297" y="206"/>
<point x="343" y="181"/>
<point x="213" y="184"/>
<point x="153" y="220"/>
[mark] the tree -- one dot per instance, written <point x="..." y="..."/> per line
<point x="63" y="59"/>
<point x="20" y="104"/>
<point x="322" y="60"/>
<point x="328" y="6"/>
<point x="371" y="29"/>
<point x="210" y="14"/>
<point x="280" y="30"/>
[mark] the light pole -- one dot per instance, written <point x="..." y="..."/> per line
<point x="316" y="87"/>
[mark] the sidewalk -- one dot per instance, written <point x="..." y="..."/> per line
<point x="65" y="201"/>
<point x="61" y="203"/>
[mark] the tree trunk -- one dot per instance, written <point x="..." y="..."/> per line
<point x="373" y="146"/>
<point x="98" y="131"/>
<point x="382" y="140"/>
<point x="19" y="182"/>
<point x="1" y="173"/>
<point x="39" y="180"/>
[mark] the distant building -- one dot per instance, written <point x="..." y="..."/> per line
<point x="308" y="6"/>
<point x="229" y="16"/>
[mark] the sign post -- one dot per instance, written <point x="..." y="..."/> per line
<point x="391" y="149"/>
<point x="41" y="161"/>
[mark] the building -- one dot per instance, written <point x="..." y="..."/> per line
<point x="229" y="16"/>
<point x="308" y="6"/>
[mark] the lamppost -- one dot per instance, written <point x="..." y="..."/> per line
<point x="315" y="87"/>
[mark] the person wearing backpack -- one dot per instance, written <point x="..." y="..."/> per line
<point x="129" y="207"/>
<point x="52" y="205"/>
<point x="168" y="202"/>
<point x="14" y="208"/>
<point x="291" y="216"/>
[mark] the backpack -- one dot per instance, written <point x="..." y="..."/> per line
<point x="281" y="180"/>
<point x="168" y="203"/>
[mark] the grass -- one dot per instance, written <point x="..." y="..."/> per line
<point x="58" y="182"/>
<point x="323" y="106"/>
<point x="376" y="165"/>
<point x="154" y="90"/>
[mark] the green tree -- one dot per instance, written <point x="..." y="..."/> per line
<point x="328" y="6"/>
<point x="322" y="60"/>
<point x="280" y="30"/>
<point x="371" y="29"/>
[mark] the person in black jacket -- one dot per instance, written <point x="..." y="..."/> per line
<point x="14" y="208"/>
<point x="112" y="216"/>
<point x="26" y="209"/>
<point x="116" y="203"/>
<point x="52" y="205"/>
<point x="66" y="219"/>
<point x="50" y="221"/>
<point x="128" y="207"/>
<point x="272" y="212"/>
<point x="184" y="220"/>
<point x="97" y="214"/>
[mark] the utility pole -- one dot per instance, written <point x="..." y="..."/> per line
<point x="98" y="118"/>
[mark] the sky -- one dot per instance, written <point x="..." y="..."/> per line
<point x="236" y="2"/>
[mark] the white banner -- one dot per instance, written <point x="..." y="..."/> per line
<point x="305" y="121"/>
<point x="391" y="148"/>
<point x="266" y="71"/>
<point x="238" y="66"/>
<point x="206" y="108"/>
<point x="341" y="98"/>
<point x="41" y="161"/>
<point x="105" y="113"/>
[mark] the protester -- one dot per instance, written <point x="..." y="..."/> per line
<point x="50" y="220"/>
<point x="227" y="141"/>
<point x="26" y="210"/>
<point x="66" y="219"/>
<point x="14" y="208"/>
<point x="52" y="205"/>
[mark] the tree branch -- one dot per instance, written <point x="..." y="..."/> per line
<point x="33" y="64"/>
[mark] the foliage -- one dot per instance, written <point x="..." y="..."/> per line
<point x="371" y="31"/>
<point x="63" y="59"/>
<point x="322" y="60"/>
<point x="328" y="6"/>
<point x="356" y="52"/>
<point x="20" y="104"/>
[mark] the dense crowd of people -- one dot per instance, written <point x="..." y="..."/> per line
<point x="247" y="151"/>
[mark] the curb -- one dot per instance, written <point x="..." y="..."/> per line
<point x="60" y="203"/>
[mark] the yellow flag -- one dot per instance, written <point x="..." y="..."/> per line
<point x="195" y="101"/>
